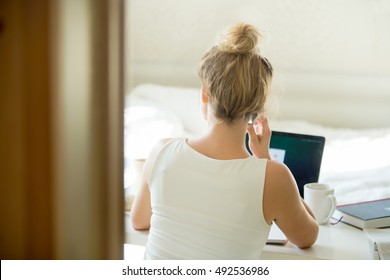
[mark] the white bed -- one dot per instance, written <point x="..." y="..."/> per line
<point x="356" y="161"/>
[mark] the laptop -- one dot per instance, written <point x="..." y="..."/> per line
<point x="301" y="153"/>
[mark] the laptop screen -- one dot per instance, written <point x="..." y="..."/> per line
<point x="300" y="152"/>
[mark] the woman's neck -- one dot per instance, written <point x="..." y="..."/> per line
<point x="222" y="140"/>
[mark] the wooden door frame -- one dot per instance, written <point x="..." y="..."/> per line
<point x="61" y="129"/>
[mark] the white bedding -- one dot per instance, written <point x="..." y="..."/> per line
<point x="356" y="161"/>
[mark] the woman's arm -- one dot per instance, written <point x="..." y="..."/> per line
<point x="141" y="211"/>
<point x="283" y="205"/>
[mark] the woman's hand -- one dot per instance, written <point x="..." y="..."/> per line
<point x="260" y="137"/>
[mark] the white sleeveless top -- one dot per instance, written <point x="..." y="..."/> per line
<point x="205" y="208"/>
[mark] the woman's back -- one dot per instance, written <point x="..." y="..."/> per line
<point x="205" y="208"/>
<point x="207" y="198"/>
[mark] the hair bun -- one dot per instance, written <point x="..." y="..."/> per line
<point x="241" y="38"/>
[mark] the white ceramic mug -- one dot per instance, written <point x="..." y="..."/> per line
<point x="321" y="200"/>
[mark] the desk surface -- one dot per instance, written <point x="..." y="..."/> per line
<point x="337" y="242"/>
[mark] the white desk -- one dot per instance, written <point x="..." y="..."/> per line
<point x="337" y="242"/>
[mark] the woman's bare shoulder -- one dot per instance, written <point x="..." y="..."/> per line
<point x="279" y="172"/>
<point x="279" y="188"/>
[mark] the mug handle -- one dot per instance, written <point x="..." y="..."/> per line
<point x="333" y="202"/>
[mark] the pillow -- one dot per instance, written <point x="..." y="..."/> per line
<point x="146" y="123"/>
<point x="183" y="102"/>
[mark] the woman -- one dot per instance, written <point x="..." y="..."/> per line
<point x="207" y="197"/>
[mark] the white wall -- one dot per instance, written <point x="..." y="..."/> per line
<point x="334" y="50"/>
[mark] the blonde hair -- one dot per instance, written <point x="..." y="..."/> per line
<point x="235" y="75"/>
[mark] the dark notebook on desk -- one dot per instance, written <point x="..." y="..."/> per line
<point x="367" y="214"/>
<point x="302" y="154"/>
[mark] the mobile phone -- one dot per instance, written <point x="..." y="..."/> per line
<point x="252" y="118"/>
